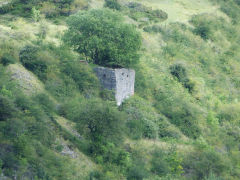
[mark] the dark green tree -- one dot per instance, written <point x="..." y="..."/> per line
<point x="101" y="122"/>
<point x="102" y="36"/>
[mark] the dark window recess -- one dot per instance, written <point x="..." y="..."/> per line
<point x="104" y="75"/>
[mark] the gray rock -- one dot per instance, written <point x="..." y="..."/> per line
<point x="120" y="81"/>
<point x="68" y="152"/>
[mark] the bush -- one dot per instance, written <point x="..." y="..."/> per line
<point x="28" y="56"/>
<point x="202" y="163"/>
<point x="139" y="11"/>
<point x="62" y="86"/>
<point x="96" y="175"/>
<point x="203" y="30"/>
<point x="104" y="38"/>
<point x="109" y="153"/>
<point x="153" y="29"/>
<point x="137" y="171"/>
<point x="166" y="129"/>
<point x="158" y="14"/>
<point x="159" y="164"/>
<point x="231" y="9"/>
<point x="166" y="162"/>
<point x="100" y="122"/>
<point x="7" y="108"/>
<point x="47" y="104"/>
<point x="7" y="59"/>
<point x="83" y="76"/>
<point x="6" y="8"/>
<point x="142" y="120"/>
<point x="203" y="26"/>
<point x="50" y="8"/>
<point x="179" y="71"/>
<point x="112" y="4"/>
<point x="229" y="113"/>
<point x="176" y="105"/>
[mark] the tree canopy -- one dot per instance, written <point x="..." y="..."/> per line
<point x="103" y="37"/>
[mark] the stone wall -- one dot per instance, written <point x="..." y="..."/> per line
<point x="120" y="81"/>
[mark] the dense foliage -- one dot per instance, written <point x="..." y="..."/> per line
<point x="182" y="123"/>
<point x="112" y="4"/>
<point x="102" y="36"/>
<point x="49" y="8"/>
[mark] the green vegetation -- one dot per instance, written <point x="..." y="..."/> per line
<point x="112" y="4"/>
<point x="50" y="9"/>
<point x="139" y="11"/>
<point x="183" y="121"/>
<point x="104" y="38"/>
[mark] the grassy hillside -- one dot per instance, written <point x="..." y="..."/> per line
<point x="182" y="122"/>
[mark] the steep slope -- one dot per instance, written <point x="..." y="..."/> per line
<point x="182" y="123"/>
<point x="31" y="86"/>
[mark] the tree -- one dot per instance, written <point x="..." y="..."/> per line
<point x="102" y="36"/>
<point x="101" y="122"/>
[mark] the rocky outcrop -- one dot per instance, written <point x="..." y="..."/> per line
<point x="26" y="80"/>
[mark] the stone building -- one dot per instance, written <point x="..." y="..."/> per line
<point x="120" y="81"/>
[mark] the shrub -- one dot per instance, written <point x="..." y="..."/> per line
<point x="6" y="8"/>
<point x="107" y="95"/>
<point x="138" y="171"/>
<point x="140" y="125"/>
<point x="62" y="86"/>
<point x="104" y="38"/>
<point x="102" y="125"/>
<point x="166" y="162"/>
<point x="202" y="163"/>
<point x="70" y="108"/>
<point x="203" y="30"/>
<point x="203" y="26"/>
<point x="139" y="11"/>
<point x="166" y="129"/>
<point x="142" y="120"/>
<point x="231" y="9"/>
<point x="82" y="74"/>
<point x="7" y="59"/>
<point x="112" y="4"/>
<point x="47" y="104"/>
<point x="229" y="113"/>
<point x="96" y="175"/>
<point x="158" y="14"/>
<point x="28" y="56"/>
<point x="50" y="8"/>
<point x="7" y="108"/>
<point x="159" y="164"/>
<point x="109" y="153"/>
<point x="176" y="105"/>
<point x="153" y="29"/>
<point x="180" y="72"/>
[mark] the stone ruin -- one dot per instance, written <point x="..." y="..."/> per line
<point x="120" y="81"/>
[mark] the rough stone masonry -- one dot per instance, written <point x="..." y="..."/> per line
<point x="120" y="81"/>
